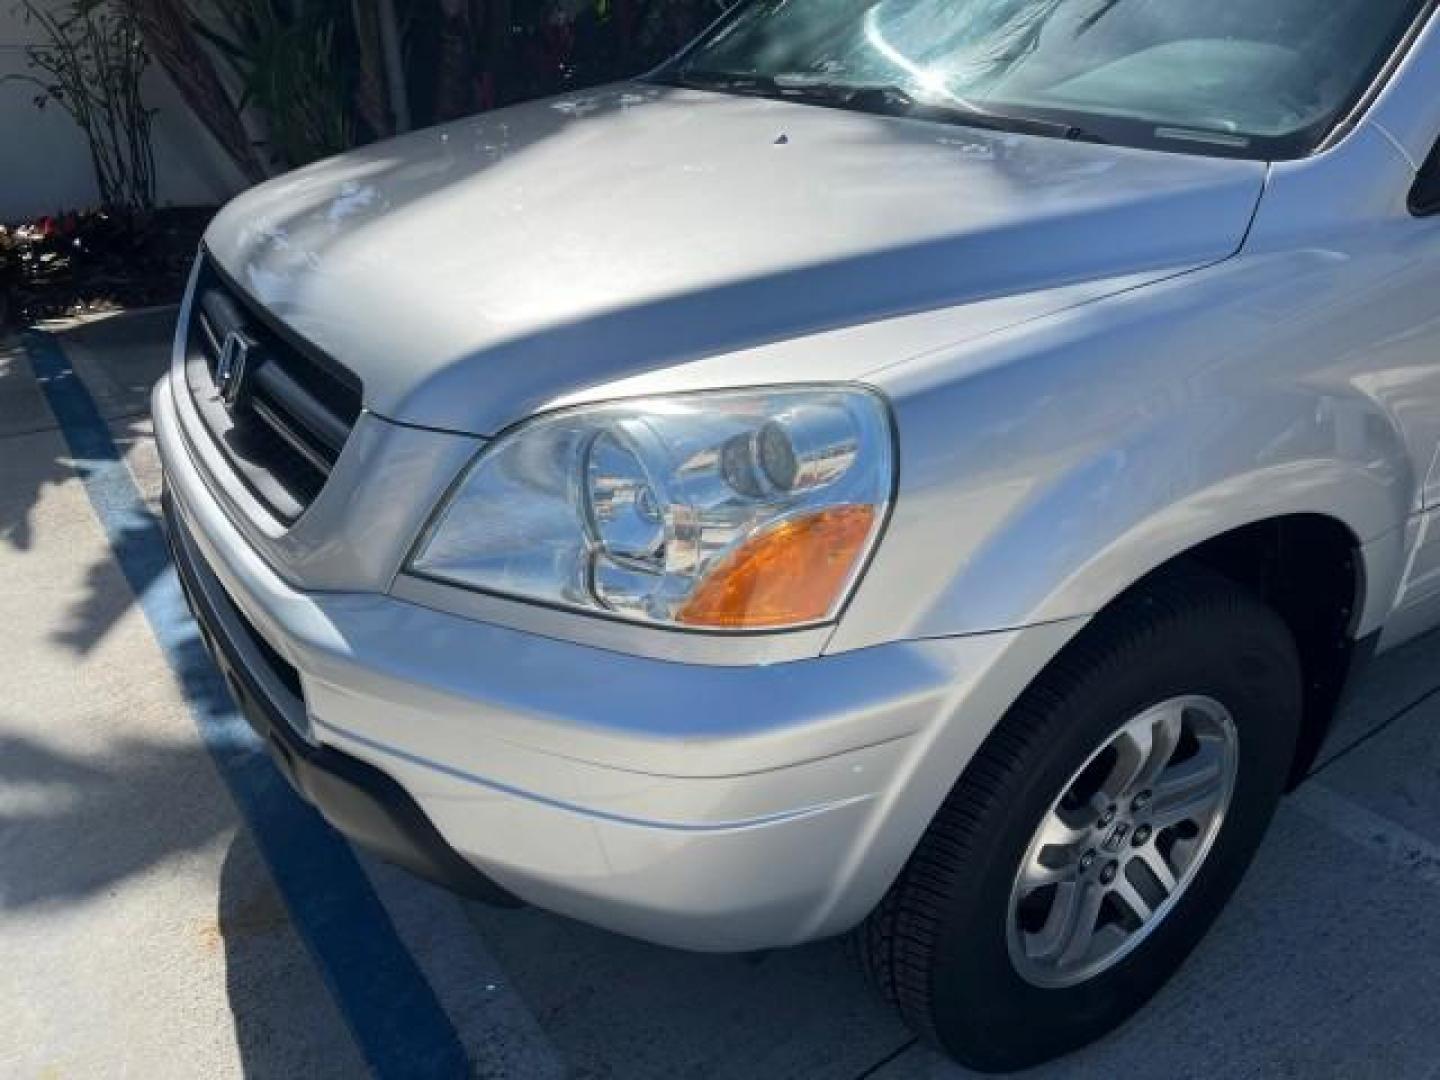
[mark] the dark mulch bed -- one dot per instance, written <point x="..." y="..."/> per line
<point x="76" y="264"/>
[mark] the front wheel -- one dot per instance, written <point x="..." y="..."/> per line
<point x="1100" y="830"/>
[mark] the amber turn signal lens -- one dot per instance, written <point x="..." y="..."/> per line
<point x="787" y="575"/>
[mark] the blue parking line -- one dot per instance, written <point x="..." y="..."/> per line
<point x="397" y="1022"/>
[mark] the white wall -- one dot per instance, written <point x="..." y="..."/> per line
<point x="45" y="165"/>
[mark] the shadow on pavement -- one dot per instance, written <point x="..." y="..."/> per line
<point x="24" y="419"/>
<point x="118" y="358"/>
<point x="615" y="1007"/>
<point x="285" y="1022"/>
<point x="95" y="613"/>
<point x="73" y="826"/>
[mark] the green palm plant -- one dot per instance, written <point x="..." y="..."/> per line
<point x="286" y="57"/>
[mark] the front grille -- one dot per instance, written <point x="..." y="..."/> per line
<point x="278" y="409"/>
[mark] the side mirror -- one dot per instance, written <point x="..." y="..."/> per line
<point x="1425" y="197"/>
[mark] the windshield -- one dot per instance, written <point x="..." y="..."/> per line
<point x="1253" y="78"/>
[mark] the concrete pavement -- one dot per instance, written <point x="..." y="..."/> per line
<point x="142" y="932"/>
<point x="139" y="933"/>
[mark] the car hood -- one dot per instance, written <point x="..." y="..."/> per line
<point x="474" y="273"/>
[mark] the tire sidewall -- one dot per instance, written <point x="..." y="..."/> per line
<point x="1241" y="656"/>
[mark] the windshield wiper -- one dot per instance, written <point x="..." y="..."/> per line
<point x="898" y="101"/>
<point x="883" y="98"/>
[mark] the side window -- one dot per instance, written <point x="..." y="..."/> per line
<point x="1425" y="199"/>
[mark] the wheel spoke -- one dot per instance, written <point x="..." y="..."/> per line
<point x="1056" y="832"/>
<point x="1049" y="941"/>
<point x="1144" y="749"/>
<point x="1169" y="726"/>
<point x="1051" y="864"/>
<point x="1132" y="748"/>
<point x="1131" y="898"/>
<point x="1070" y="926"/>
<point x="1155" y="862"/>
<point x="1187" y="792"/>
<point x="1055" y="851"/>
<point x="1037" y="875"/>
<point x="1083" y="930"/>
<point x="1182" y="853"/>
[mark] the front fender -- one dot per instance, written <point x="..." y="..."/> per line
<point x="1039" y="482"/>
<point x="1095" y="531"/>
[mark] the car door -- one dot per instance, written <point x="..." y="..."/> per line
<point x="1425" y="205"/>
<point x="1396" y="296"/>
<point x="1408" y="365"/>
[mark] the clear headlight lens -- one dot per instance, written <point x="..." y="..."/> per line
<point x="728" y="511"/>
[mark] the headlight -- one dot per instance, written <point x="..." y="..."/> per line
<point x="733" y="511"/>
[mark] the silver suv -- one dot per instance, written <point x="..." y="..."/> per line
<point x="922" y="466"/>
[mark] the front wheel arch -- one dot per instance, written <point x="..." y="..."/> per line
<point x="938" y="923"/>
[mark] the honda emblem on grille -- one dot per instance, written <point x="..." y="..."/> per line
<point x="233" y="367"/>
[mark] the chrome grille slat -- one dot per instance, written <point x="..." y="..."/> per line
<point x="285" y="422"/>
<point x="290" y="435"/>
<point x="309" y="416"/>
<point x="211" y="342"/>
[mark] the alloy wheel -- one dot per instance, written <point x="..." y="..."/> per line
<point x="1126" y="838"/>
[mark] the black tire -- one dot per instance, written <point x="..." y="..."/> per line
<point x="937" y="945"/>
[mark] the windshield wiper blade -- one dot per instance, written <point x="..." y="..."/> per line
<point x="884" y="98"/>
<point x="725" y="82"/>
<point x="899" y="101"/>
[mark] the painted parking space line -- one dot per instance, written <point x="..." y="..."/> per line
<point x="502" y="1034"/>
<point x="398" y="1023"/>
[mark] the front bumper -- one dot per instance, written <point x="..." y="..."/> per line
<point x="714" y="808"/>
<point x="357" y="799"/>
